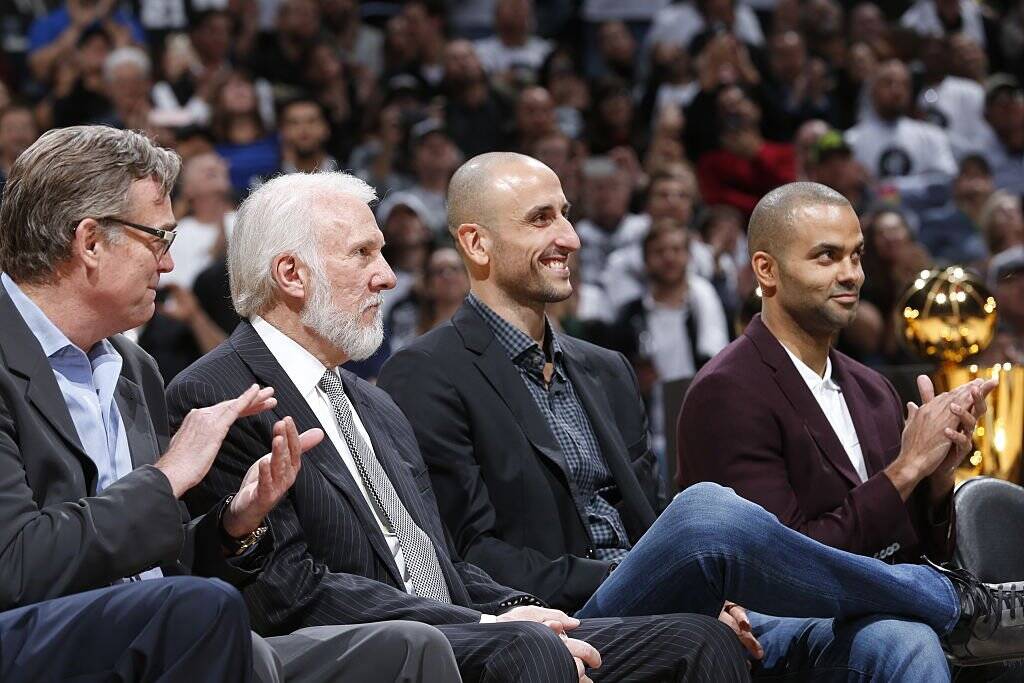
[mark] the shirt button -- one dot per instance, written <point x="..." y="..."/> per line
<point x="590" y="552"/>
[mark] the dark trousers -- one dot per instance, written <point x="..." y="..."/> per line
<point x="656" y="649"/>
<point x="383" y="652"/>
<point x="171" y="629"/>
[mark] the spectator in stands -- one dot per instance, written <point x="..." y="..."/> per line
<point x="206" y="206"/>
<point x="953" y="103"/>
<point x="304" y="134"/>
<point x="672" y="82"/>
<point x="618" y="50"/>
<point x="55" y="36"/>
<point x="833" y="164"/>
<point x="434" y="158"/>
<point x="178" y="93"/>
<point x="407" y="241"/>
<point x="513" y="47"/>
<point x="1001" y="221"/>
<point x="720" y="255"/>
<point x="675" y="327"/>
<point x="18" y="130"/>
<point x="807" y="136"/>
<point x="867" y="24"/>
<point x="1006" y="281"/>
<point x="473" y="110"/>
<point x="79" y="93"/>
<point x="427" y="28"/>
<point x="607" y="224"/>
<point x="127" y="76"/>
<point x="1004" y="145"/>
<point x="361" y="44"/>
<point x="379" y="156"/>
<point x="914" y="156"/>
<point x="280" y="56"/>
<point x="892" y="259"/>
<point x="534" y="116"/>
<point x="671" y="196"/>
<point x="432" y="301"/>
<point x="568" y="89"/>
<point x="951" y="233"/>
<point x="746" y="166"/>
<point x="242" y="136"/>
<point x="680" y="23"/>
<point x="211" y="39"/>
<point x="613" y="122"/>
<point x="944" y="17"/>
<point x="722" y="62"/>
<point x="796" y="89"/>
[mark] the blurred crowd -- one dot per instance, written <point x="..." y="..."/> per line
<point x="666" y="122"/>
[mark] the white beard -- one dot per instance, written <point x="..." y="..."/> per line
<point x="343" y="329"/>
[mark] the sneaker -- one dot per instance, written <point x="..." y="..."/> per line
<point x="991" y="624"/>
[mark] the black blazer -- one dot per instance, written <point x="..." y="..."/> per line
<point x="57" y="535"/>
<point x="502" y="482"/>
<point x="331" y="564"/>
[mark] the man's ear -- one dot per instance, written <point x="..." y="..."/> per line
<point x="766" y="270"/>
<point x="86" y="242"/>
<point x="474" y="243"/>
<point x="291" y="276"/>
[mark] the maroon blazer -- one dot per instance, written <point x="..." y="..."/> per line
<point x="750" y="422"/>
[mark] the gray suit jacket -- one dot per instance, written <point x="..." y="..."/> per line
<point x="57" y="535"/>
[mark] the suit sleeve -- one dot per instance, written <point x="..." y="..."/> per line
<point x="420" y="387"/>
<point x="296" y="589"/>
<point x="730" y="435"/>
<point x="51" y="550"/>
<point x="201" y="552"/>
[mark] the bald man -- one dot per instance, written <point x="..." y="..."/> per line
<point x="538" y="450"/>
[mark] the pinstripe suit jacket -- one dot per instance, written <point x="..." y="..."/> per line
<point x="330" y="564"/>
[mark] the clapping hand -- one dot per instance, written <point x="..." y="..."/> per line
<point x="269" y="478"/>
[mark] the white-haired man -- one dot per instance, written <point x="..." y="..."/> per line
<point x="360" y="537"/>
<point x="86" y="498"/>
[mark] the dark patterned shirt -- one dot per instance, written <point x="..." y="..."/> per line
<point x="568" y="421"/>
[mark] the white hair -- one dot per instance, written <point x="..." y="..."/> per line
<point x="282" y="217"/>
<point x="126" y="55"/>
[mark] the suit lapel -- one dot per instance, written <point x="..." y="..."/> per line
<point x="801" y="398"/>
<point x="324" y="456"/>
<point x="24" y="357"/>
<point x="135" y="420"/>
<point x="595" y="403"/>
<point x="860" y="411"/>
<point x="501" y="373"/>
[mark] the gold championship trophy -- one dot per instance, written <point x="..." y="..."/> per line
<point x="949" y="316"/>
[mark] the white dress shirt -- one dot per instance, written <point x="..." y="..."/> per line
<point x="305" y="372"/>
<point x="829" y="396"/>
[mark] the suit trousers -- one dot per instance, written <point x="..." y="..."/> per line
<point x="655" y="649"/>
<point x="384" y="652"/>
<point x="169" y="630"/>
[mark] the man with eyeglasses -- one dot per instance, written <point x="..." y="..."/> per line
<point x="90" y="481"/>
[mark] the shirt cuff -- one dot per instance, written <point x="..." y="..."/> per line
<point x="488" y="619"/>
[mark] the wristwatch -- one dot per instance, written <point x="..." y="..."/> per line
<point x="237" y="546"/>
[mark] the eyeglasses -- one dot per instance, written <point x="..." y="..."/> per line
<point x="166" y="237"/>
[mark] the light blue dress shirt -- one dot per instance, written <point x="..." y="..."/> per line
<point x="88" y="382"/>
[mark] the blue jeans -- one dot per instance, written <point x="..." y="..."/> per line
<point x="856" y="617"/>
